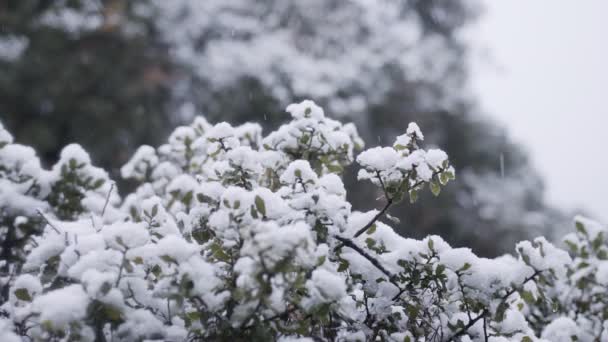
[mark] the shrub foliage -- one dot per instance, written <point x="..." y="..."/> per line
<point x="232" y="235"/>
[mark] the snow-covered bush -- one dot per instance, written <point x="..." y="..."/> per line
<point x="232" y="235"/>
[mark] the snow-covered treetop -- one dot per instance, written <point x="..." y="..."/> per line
<point x="232" y="234"/>
<point x="337" y="51"/>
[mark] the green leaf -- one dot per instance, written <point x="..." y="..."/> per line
<point x="23" y="294"/>
<point x="113" y="313"/>
<point x="525" y="258"/>
<point x="528" y="297"/>
<point x="430" y="244"/>
<point x="343" y="265"/>
<point x="573" y="247"/>
<point x="168" y="259"/>
<point x="370" y="243"/>
<point x="443" y="178"/>
<point x="156" y="270"/>
<point x="194" y="315"/>
<point x="260" y="205"/>
<point x="582" y="265"/>
<point x="98" y="183"/>
<point x="580" y="227"/>
<point x="253" y="212"/>
<point x="134" y="214"/>
<point x="413" y="196"/>
<point x="526" y="339"/>
<point x="73" y="164"/>
<point x="412" y="311"/>
<point x="597" y="242"/>
<point x="334" y="168"/>
<point x="435" y="188"/>
<point x="321" y="260"/>
<point x="500" y="311"/>
<point x="219" y="253"/>
<point x="371" y="229"/>
<point x="204" y="199"/>
<point x="465" y="267"/>
<point x="440" y="269"/>
<point x="47" y="325"/>
<point x="187" y="198"/>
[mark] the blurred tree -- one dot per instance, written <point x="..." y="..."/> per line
<point x="382" y="64"/>
<point x="115" y="74"/>
<point x="82" y="70"/>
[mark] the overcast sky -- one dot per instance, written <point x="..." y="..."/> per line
<point x="548" y="84"/>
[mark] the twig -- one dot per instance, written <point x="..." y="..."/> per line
<point x="370" y="223"/>
<point x="364" y="254"/>
<point x="485" y="329"/>
<point x="105" y="205"/>
<point x="349" y="243"/>
<point x="47" y="221"/>
<point x="388" y="204"/>
<point x="486" y="311"/>
<point x="122" y="263"/>
<point x="376" y="218"/>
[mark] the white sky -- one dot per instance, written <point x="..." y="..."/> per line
<point x="548" y="83"/>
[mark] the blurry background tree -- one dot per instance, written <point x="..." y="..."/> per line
<point x="86" y="71"/>
<point x="115" y="74"/>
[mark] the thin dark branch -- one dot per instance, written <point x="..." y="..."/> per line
<point x="376" y="218"/>
<point x="47" y="221"/>
<point x="105" y="205"/>
<point x="485" y="311"/>
<point x="122" y="263"/>
<point x="388" y="204"/>
<point x="349" y="243"/>
<point x="382" y="184"/>
<point x="485" y="329"/>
